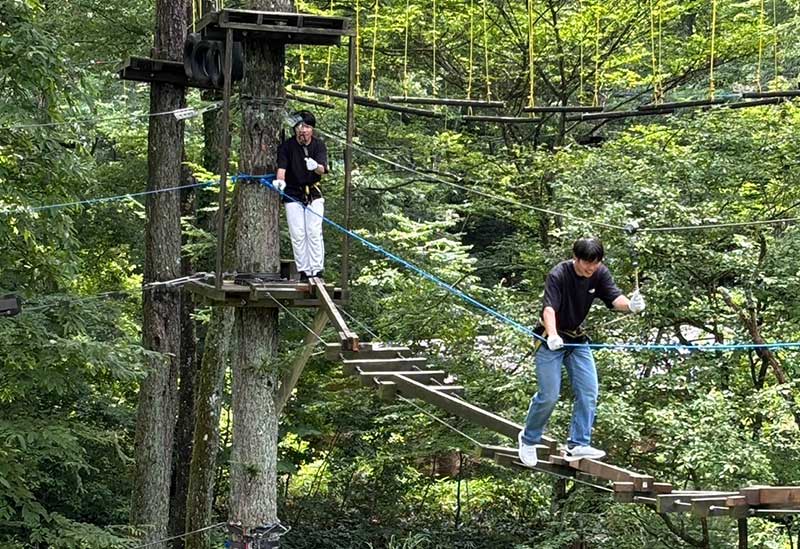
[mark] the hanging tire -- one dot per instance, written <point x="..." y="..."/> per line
<point x="215" y="63"/>
<point x="201" y="72"/>
<point x="188" y="52"/>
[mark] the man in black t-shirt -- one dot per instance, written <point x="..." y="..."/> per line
<point x="570" y="289"/>
<point x="302" y="160"/>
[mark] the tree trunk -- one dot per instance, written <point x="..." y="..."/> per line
<point x="256" y="249"/>
<point x="155" y="420"/>
<point x="209" y="390"/>
<point x="186" y="389"/>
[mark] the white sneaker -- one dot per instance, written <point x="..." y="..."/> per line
<point x="527" y="452"/>
<point x="588" y="452"/>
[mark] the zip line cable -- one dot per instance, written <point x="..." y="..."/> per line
<point x="180" y="536"/>
<point x="266" y="182"/>
<point x="433" y="178"/>
<point x="93" y="201"/>
<point x="471" y="190"/>
<point x="296" y="318"/>
<point x="93" y="119"/>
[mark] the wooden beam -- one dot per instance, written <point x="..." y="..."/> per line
<point x="334" y="351"/>
<point x="310" y="101"/>
<point x="449" y="389"/>
<point x="501" y="119"/>
<point x="368" y="102"/>
<point x="348" y="338"/>
<point x="599" y="469"/>
<point x="446" y="101"/>
<point x="461" y="408"/>
<point x="352" y="367"/>
<point x="291" y="376"/>
<point x="563" y="109"/>
<point x="764" y="95"/>
<point x="426" y="375"/>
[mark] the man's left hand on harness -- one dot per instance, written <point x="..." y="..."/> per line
<point x="311" y="164"/>
<point x="636" y="304"/>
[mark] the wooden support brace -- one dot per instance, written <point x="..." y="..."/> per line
<point x="348" y="338"/>
<point x="599" y="469"/>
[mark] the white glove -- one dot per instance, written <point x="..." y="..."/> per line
<point x="636" y="304"/>
<point x="554" y="342"/>
<point x="279" y="184"/>
<point x="311" y="164"/>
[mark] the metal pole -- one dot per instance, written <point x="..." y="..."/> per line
<point x="226" y="112"/>
<point x="741" y="525"/>
<point x="348" y="160"/>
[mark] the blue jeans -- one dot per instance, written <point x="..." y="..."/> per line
<point x="583" y="377"/>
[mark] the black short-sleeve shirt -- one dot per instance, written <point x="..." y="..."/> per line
<point x="301" y="183"/>
<point x="571" y="296"/>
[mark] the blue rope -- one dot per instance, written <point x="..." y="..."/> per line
<point x="92" y="201"/>
<point x="520" y="327"/>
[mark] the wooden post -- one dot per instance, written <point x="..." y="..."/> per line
<point x="348" y="160"/>
<point x="226" y="113"/>
<point x="741" y="526"/>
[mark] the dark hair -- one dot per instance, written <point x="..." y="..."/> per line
<point x="305" y="117"/>
<point x="589" y="249"/>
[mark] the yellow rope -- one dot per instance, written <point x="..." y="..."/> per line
<point x="486" y="54"/>
<point x="761" y="15"/>
<point x="580" y="51"/>
<point x="358" y="47"/>
<point x="374" y="47"/>
<point x="531" y="50"/>
<point x="194" y="15"/>
<point x="302" y="67"/>
<point x="654" y="61"/>
<point x="596" y="100"/>
<point x="775" y="34"/>
<point x="713" y="36"/>
<point x="471" y="47"/>
<point x="660" y="51"/>
<point x="405" y="51"/>
<point x="433" y="60"/>
<point x="330" y="59"/>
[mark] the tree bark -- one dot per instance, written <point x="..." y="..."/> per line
<point x="155" y="420"/>
<point x="256" y="249"/>
<point x="187" y="373"/>
<point x="209" y="390"/>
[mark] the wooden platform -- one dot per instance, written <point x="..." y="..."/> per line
<point x="288" y="28"/>
<point x="288" y="293"/>
<point x="145" y="69"/>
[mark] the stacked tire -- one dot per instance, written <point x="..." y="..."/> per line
<point x="204" y="61"/>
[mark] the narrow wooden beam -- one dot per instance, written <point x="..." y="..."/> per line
<point x="461" y="408"/>
<point x="599" y="469"/>
<point x="348" y="338"/>
<point x="426" y="375"/>
<point x="563" y="109"/>
<point x="368" y="102"/>
<point x="291" y="377"/>
<point x="334" y="351"/>
<point x="446" y="101"/>
<point x="310" y="101"/>
<point x="501" y="119"/>
<point x="352" y="367"/>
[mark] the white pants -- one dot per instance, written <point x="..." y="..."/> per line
<point x="305" y="229"/>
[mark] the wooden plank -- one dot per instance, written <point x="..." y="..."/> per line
<point x="599" y="469"/>
<point x="352" y="367"/>
<point x="477" y="103"/>
<point x="563" y="109"/>
<point x="387" y="390"/>
<point x="623" y="492"/>
<point x="368" y="102"/>
<point x="348" y="338"/>
<point x="449" y="389"/>
<point x="501" y="119"/>
<point x="662" y="487"/>
<point x="334" y="351"/>
<point x="670" y="503"/>
<point x="490" y="451"/>
<point x="702" y="507"/>
<point x="786" y="496"/>
<point x="461" y="408"/>
<point x="425" y="375"/>
<point x="205" y="290"/>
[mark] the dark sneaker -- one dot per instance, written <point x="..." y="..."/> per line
<point x="303" y="276"/>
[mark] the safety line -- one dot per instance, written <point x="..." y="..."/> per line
<point x="524" y="329"/>
<point x="471" y="190"/>
<point x="179" y="536"/>
<point x="92" y="119"/>
<point x="553" y="212"/>
<point x="303" y="324"/>
<point x="91" y="201"/>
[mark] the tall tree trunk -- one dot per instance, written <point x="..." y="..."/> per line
<point x="255" y="374"/>
<point x="155" y="420"/>
<point x="209" y="390"/>
<point x="184" y="428"/>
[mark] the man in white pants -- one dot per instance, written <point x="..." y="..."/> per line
<point x="302" y="160"/>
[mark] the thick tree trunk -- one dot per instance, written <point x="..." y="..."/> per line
<point x="184" y="428"/>
<point x="209" y="390"/>
<point x="155" y="419"/>
<point x="255" y="375"/>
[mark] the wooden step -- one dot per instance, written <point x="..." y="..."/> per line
<point x="352" y="367"/>
<point x="457" y="390"/>
<point x="387" y="390"/>
<point x="418" y="376"/>
<point x="335" y="352"/>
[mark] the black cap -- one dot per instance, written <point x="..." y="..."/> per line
<point x="304" y="117"/>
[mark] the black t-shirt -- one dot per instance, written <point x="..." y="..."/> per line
<point x="301" y="183"/>
<point x="571" y="295"/>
